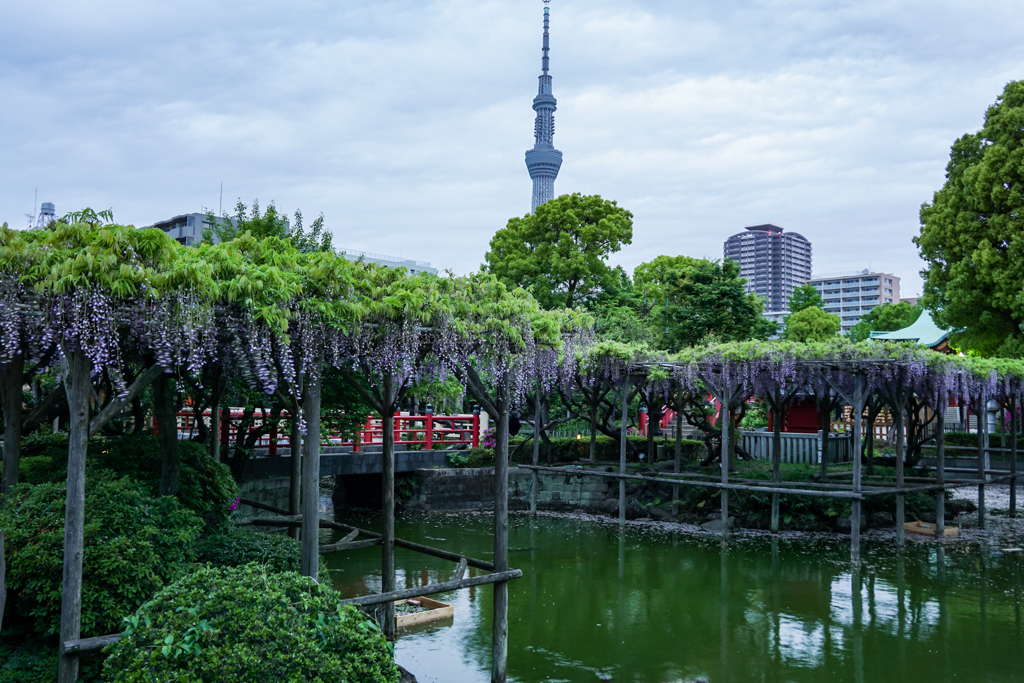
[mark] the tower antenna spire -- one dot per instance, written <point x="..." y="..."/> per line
<point x="544" y="161"/>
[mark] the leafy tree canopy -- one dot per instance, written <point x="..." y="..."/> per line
<point x="803" y="297"/>
<point x="269" y="223"/>
<point x="811" y="325"/>
<point x="561" y="250"/>
<point x="707" y="301"/>
<point x="885" y="318"/>
<point x="972" y="235"/>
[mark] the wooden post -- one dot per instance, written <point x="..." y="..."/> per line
<point x="13" y="376"/>
<point x="776" y="461"/>
<point x="900" y="459"/>
<point x="215" y="431"/>
<point x="78" y="389"/>
<point x="537" y="418"/>
<point x="593" y="425"/>
<point x="311" y="476"/>
<point x="982" y="450"/>
<point x="499" y="653"/>
<point x="295" y="467"/>
<point x="387" y="475"/>
<point x="14" y="379"/>
<point x="726" y="420"/>
<point x="167" y="425"/>
<point x="476" y="426"/>
<point x="940" y="479"/>
<point x="858" y="409"/>
<point x="622" y="452"/>
<point x="677" y="463"/>
<point x="825" y="420"/>
<point x="225" y="430"/>
<point x="1014" y="426"/>
<point x="272" y="450"/>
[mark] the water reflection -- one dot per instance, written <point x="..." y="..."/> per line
<point x="643" y="605"/>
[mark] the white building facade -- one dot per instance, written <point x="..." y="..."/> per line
<point x="850" y="295"/>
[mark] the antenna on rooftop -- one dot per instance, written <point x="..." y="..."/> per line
<point x="31" y="216"/>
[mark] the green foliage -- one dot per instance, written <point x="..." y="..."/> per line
<point x="472" y="457"/>
<point x="269" y="223"/>
<point x="134" y="545"/>
<point x="238" y="546"/>
<point x="561" y="250"/>
<point x="972" y="235"/>
<point x="27" y="663"/>
<point x="707" y="302"/>
<point x="756" y="416"/>
<point x="811" y="325"/>
<point x="342" y="408"/>
<point x="247" y="624"/>
<point x="803" y="297"/>
<point x="885" y="318"/>
<point x="205" y="486"/>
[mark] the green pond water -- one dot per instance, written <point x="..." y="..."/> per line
<point x="660" y="606"/>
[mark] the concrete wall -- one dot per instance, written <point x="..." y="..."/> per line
<point x="473" y="489"/>
<point x="270" y="491"/>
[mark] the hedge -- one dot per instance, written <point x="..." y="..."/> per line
<point x="239" y="546"/>
<point x="249" y="624"/>
<point x="205" y="486"/>
<point x="134" y="545"/>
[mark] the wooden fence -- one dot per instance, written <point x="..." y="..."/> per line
<point x="798" y="448"/>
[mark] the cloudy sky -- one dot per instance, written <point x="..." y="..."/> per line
<point x="405" y="122"/>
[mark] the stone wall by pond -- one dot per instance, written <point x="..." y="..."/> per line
<point x="473" y="489"/>
<point x="273" y="491"/>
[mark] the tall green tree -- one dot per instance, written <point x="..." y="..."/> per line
<point x="561" y="250"/>
<point x="803" y="297"/>
<point x="707" y="301"/>
<point x="268" y="223"/>
<point x="972" y="235"/>
<point x="885" y="318"/>
<point x="811" y="325"/>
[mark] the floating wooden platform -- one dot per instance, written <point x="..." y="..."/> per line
<point x="434" y="611"/>
<point x="926" y="529"/>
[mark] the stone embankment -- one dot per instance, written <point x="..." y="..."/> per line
<point x="444" y="490"/>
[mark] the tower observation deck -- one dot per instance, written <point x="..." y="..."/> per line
<point x="543" y="161"/>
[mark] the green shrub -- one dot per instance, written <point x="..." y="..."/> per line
<point x="236" y="547"/>
<point x="205" y="487"/>
<point x="571" y="450"/>
<point x="134" y="545"/>
<point x="27" y="663"/>
<point x="247" y="624"/>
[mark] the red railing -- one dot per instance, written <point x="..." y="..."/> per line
<point x="429" y="431"/>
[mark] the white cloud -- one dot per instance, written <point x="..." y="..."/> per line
<point x="406" y="122"/>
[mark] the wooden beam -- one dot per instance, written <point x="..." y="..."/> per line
<point x="482" y="580"/>
<point x="706" y="484"/>
<point x="409" y="545"/>
<point x="87" y="644"/>
<point x="114" y="408"/>
<point x="460" y="571"/>
<point x="348" y="545"/>
<point x="499" y="619"/>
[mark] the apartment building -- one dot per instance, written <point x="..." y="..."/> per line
<point x="774" y="263"/>
<point x="852" y="294"/>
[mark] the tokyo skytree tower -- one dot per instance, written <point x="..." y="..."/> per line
<point x="543" y="161"/>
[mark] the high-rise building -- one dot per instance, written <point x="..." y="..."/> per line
<point x="774" y="263"/>
<point x="543" y="161"/>
<point x="852" y="294"/>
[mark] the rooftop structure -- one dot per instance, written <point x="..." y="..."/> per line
<point x="774" y="263"/>
<point x="852" y="295"/>
<point x="390" y="261"/>
<point x="923" y="331"/>
<point x="543" y="161"/>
